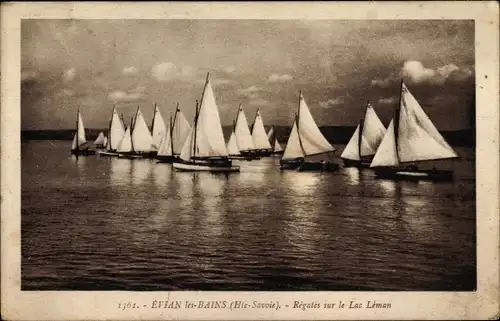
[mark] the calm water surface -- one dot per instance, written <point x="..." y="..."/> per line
<point x="98" y="223"/>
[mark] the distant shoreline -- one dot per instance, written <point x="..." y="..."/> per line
<point x="335" y="134"/>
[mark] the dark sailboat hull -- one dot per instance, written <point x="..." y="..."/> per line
<point x="363" y="163"/>
<point x="85" y="152"/>
<point x="318" y="167"/>
<point x="412" y="174"/>
<point x="304" y="166"/>
<point x="165" y="158"/>
<point x="208" y="165"/>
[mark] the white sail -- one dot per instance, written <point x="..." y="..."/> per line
<point x="232" y="145"/>
<point x="313" y="141"/>
<point x="293" y="149"/>
<point x="125" y="144"/>
<point x="105" y="141"/>
<point x="209" y="136"/>
<point x="243" y="137"/>
<point x="259" y="135"/>
<point x="116" y="131"/>
<point x="270" y="134"/>
<point x="74" y="144"/>
<point x="373" y="132"/>
<point x="187" y="148"/>
<point x="351" y="150"/>
<point x="100" y="140"/>
<point x="386" y="154"/>
<point x="79" y="139"/>
<point x="141" y="137"/>
<point x="277" y="146"/>
<point x="165" y="148"/>
<point x="158" y="130"/>
<point x="418" y="138"/>
<point x="180" y="131"/>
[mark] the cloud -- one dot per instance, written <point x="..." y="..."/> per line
<point x="387" y="101"/>
<point x="27" y="75"/>
<point x="122" y="96"/>
<point x="130" y="70"/>
<point x="250" y="92"/>
<point x="69" y="74"/>
<point x="280" y="78"/>
<point x="382" y="83"/>
<point x="417" y="73"/>
<point x="168" y="71"/>
<point x="331" y="102"/>
<point x="259" y="102"/>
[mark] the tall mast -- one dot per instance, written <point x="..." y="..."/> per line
<point x="77" y="129"/>
<point x="175" y="117"/>
<point x="396" y="119"/>
<point x="131" y="128"/>
<point x="109" y="128"/>
<point x="135" y="118"/>
<point x="171" y="141"/>
<point x="361" y="127"/>
<point x="195" y="130"/>
<point x="237" y="114"/>
<point x="154" y="116"/>
<point x="297" y="120"/>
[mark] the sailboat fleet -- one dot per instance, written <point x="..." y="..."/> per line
<point x="410" y="140"/>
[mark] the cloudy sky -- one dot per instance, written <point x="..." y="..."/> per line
<point x="338" y="65"/>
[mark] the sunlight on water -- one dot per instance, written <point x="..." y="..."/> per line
<point x="141" y="170"/>
<point x="120" y="224"/>
<point x="121" y="171"/>
<point x="353" y="175"/>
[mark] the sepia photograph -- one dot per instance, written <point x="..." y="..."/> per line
<point x="248" y="155"/>
<point x="195" y="154"/>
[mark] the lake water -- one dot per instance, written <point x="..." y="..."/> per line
<point x="99" y="223"/>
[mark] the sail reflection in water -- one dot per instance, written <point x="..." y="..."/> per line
<point x="106" y="223"/>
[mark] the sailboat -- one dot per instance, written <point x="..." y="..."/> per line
<point x="158" y="131"/>
<point x="115" y="134"/>
<point x="364" y="142"/>
<point x="243" y="137"/>
<point x="411" y="138"/>
<point x="259" y="136"/>
<point x="100" y="141"/>
<point x="141" y="137"/>
<point x="271" y="136"/>
<point x="232" y="145"/>
<point x="177" y="132"/>
<point x="79" y="145"/>
<point x="307" y="148"/>
<point x="125" y="147"/>
<point x="205" y="148"/>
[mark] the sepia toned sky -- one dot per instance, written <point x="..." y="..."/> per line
<point x="338" y="65"/>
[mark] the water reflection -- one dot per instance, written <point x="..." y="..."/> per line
<point x="140" y="171"/>
<point x="353" y="175"/>
<point x="163" y="174"/>
<point x="302" y="183"/>
<point x="121" y="171"/>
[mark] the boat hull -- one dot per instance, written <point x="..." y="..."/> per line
<point x="356" y="163"/>
<point x="85" y="152"/>
<point x="131" y="155"/>
<point x="414" y="174"/>
<point x="165" y="159"/>
<point x="205" y="166"/>
<point x="303" y="166"/>
<point x="318" y="167"/>
<point x="246" y="157"/>
<point x="107" y="153"/>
